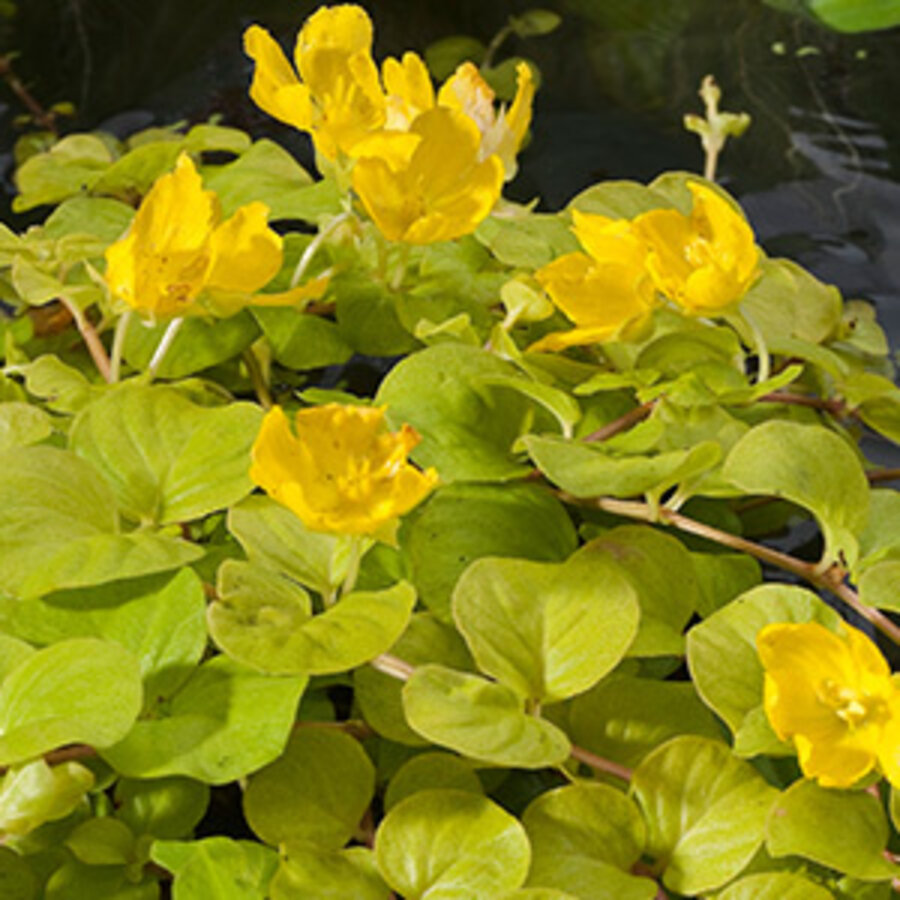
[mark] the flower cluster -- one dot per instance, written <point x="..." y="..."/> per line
<point x="704" y="263"/>
<point x="427" y="166"/>
<point x="179" y="258"/>
<point x="343" y="473"/>
<point x="833" y="695"/>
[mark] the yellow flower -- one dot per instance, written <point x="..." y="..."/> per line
<point x="833" y="696"/>
<point x="343" y="473"/>
<point x="178" y="253"/>
<point x="501" y="133"/>
<point x="704" y="262"/>
<point x="607" y="292"/>
<point x="427" y="184"/>
<point x="337" y="97"/>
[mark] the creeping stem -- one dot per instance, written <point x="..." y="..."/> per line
<point x="163" y="347"/>
<point x="119" y="345"/>
<point x="90" y="337"/>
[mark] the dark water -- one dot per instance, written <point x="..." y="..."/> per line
<point x="818" y="172"/>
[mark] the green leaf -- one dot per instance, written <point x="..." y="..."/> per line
<point x="547" y="631"/>
<point x="132" y="175"/>
<point x="22" y="424"/>
<point x="585" y="470"/>
<point x="882" y="532"/>
<point x="77" y="879"/>
<point x="269" y="632"/>
<point x="527" y="242"/>
<point x="33" y="285"/>
<point x="160" y="619"/>
<point x="206" y="137"/>
<point x="102" y="842"/>
<point x="273" y="536"/>
<point x="648" y="560"/>
<point x="623" y="718"/>
<point x="585" y="838"/>
<point x="558" y="403"/>
<point x="367" y="317"/>
<point x="850" y="16"/>
<point x="217" y="868"/>
<point x="447" y="845"/>
<point x="334" y="875"/>
<point x="443" y="56"/>
<point x="435" y="770"/>
<point x="302" y="342"/>
<point x="480" y="719"/>
<point x="199" y="344"/>
<point x="880" y="585"/>
<point x="167" y="459"/>
<point x="706" y="812"/>
<point x="618" y="200"/>
<point x="467" y="432"/>
<point x="724" y="662"/>
<point x="35" y="793"/>
<point x="167" y="808"/>
<point x="812" y="467"/>
<point x="775" y="886"/>
<point x="844" y="830"/>
<point x="64" y="388"/>
<point x="69" y="167"/>
<point x="535" y="22"/>
<point x="315" y="793"/>
<point x="426" y="640"/>
<point x="16" y="879"/>
<point x="463" y="522"/>
<point x="80" y="691"/>
<point x="223" y="723"/>
<point x="721" y="577"/>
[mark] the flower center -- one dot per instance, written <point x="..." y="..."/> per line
<point x="854" y="707"/>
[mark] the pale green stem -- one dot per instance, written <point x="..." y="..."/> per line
<point x="313" y="246"/>
<point x="764" y="363"/>
<point x="163" y="347"/>
<point x="400" y="271"/>
<point x="258" y="378"/>
<point x="357" y="550"/>
<point x="494" y="46"/>
<point x="118" y="345"/>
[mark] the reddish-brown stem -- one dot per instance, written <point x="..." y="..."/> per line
<point x="835" y="407"/>
<point x="883" y="475"/>
<point x="599" y="764"/>
<point x="623" y="423"/>
<point x="91" y="339"/>
<point x="831" y="579"/>
<point x="62" y="755"/>
<point x="41" y="116"/>
<point x="320" y="308"/>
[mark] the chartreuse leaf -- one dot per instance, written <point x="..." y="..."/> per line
<point x="812" y="467"/>
<point x="880" y="585"/>
<point x="619" y="199"/>
<point x="13" y="650"/>
<point x="101" y="217"/>
<point x="480" y="719"/>
<point x="647" y="558"/>
<point x="159" y="618"/>
<point x="80" y="691"/>
<point x="585" y="838"/>
<point x="22" y="424"/>
<point x="78" y="879"/>
<point x="538" y="894"/>
<point x="425" y="640"/>
<point x="273" y="536"/>
<point x="721" y="577"/>
<point x="585" y="470"/>
<point x="705" y="810"/>
<point x="302" y="342"/>
<point x="315" y="793"/>
<point x="34" y="793"/>
<point x="546" y="630"/>
<point x="467" y="431"/>
<point x="167" y="459"/>
<point x="269" y="632"/>
<point x="58" y="527"/>
<point x="450" y="845"/>
<point x="775" y="886"/>
<point x="431" y="771"/>
<point x="217" y="868"/>
<point x="845" y="15"/>
<point x="103" y="841"/>
<point x="199" y="344"/>
<point x="623" y="718"/>
<point x="881" y="536"/>
<point x="167" y="808"/>
<point x="557" y="402"/>
<point x="328" y="875"/>
<point x="463" y="522"/>
<point x="725" y="666"/>
<point x="17" y="882"/>
<point x="844" y="830"/>
<point x="222" y="723"/>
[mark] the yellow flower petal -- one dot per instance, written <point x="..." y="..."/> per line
<point x="409" y="89"/>
<point x="346" y="28"/>
<point x="275" y="87"/>
<point x="833" y="696"/>
<point x="246" y="253"/>
<point x="343" y="472"/>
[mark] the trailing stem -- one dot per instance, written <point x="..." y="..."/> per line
<point x="90" y="337"/>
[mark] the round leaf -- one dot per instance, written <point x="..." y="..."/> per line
<point x="335" y="875"/>
<point x="451" y="844"/>
<point x="431" y="771"/>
